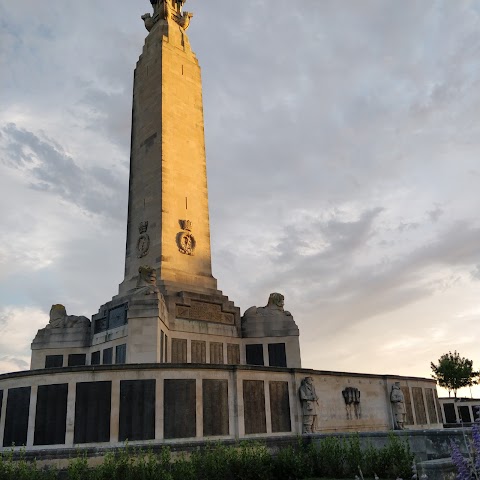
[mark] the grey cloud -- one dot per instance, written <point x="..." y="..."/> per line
<point x="19" y="362"/>
<point x="435" y="213"/>
<point x="96" y="190"/>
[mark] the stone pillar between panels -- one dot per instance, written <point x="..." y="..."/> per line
<point x="233" y="403"/>
<point x="427" y="414"/>
<point x="159" y="422"/>
<point x="2" y="415"/>
<point x="266" y="359"/>
<point x="32" y="415"/>
<point x="115" y="411"/>
<point x="189" y="351"/>
<point x="70" y="420"/>
<point x="296" y="425"/>
<point x="243" y="355"/>
<point x="199" y="409"/>
<point x="268" y="410"/>
<point x="207" y="353"/>
<point x="240" y="408"/>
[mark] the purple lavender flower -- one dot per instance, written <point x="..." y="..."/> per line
<point x="463" y="469"/>
<point x="476" y="445"/>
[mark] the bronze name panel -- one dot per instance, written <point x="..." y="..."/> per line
<point x="254" y="406"/>
<point x="215" y="407"/>
<point x="280" y="407"/>
<point x="408" y="405"/>
<point x="419" y="404"/>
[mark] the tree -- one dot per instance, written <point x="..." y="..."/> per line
<point x="454" y="372"/>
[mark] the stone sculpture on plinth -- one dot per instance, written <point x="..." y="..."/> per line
<point x="269" y="321"/>
<point x="60" y="319"/>
<point x="309" y="400"/>
<point x="398" y="406"/>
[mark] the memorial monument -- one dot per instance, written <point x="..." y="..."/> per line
<point x="170" y="358"/>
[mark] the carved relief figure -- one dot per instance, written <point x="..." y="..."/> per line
<point x="351" y="396"/>
<point x="147" y="280"/>
<point x="309" y="400"/>
<point x="398" y="406"/>
<point x="60" y="319"/>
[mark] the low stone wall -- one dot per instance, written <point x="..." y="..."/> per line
<point x="425" y="444"/>
<point x="157" y="404"/>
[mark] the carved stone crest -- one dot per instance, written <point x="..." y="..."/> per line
<point x="143" y="242"/>
<point x="185" y="240"/>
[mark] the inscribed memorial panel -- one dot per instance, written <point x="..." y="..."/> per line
<point x="77" y="359"/>
<point x="216" y="353"/>
<point x="53" y="361"/>
<point x="179" y="407"/>
<point x="199" y="351"/>
<point x="419" y="405"/>
<point x="137" y="410"/>
<point x="215" y="407"/>
<point x="408" y="405"/>
<point x="254" y="406"/>
<point x="233" y="354"/>
<point x="51" y="414"/>
<point x="280" y="407"/>
<point x="92" y="412"/>
<point x="179" y="350"/>
<point x="16" y="417"/>
<point x="254" y="354"/>
<point x="277" y="356"/>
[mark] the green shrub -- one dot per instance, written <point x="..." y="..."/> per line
<point x="330" y="457"/>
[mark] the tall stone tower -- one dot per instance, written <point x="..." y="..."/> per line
<point x="168" y="222"/>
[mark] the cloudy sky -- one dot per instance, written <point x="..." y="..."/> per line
<point x="343" y="166"/>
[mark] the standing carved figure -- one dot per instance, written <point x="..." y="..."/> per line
<point x="309" y="398"/>
<point x="351" y="395"/>
<point x="398" y="406"/>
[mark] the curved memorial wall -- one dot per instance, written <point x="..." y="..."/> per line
<point x="108" y="405"/>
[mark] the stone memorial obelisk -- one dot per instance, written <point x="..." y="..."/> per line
<point x="168" y="308"/>
<point x="168" y="223"/>
<point x="168" y="220"/>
